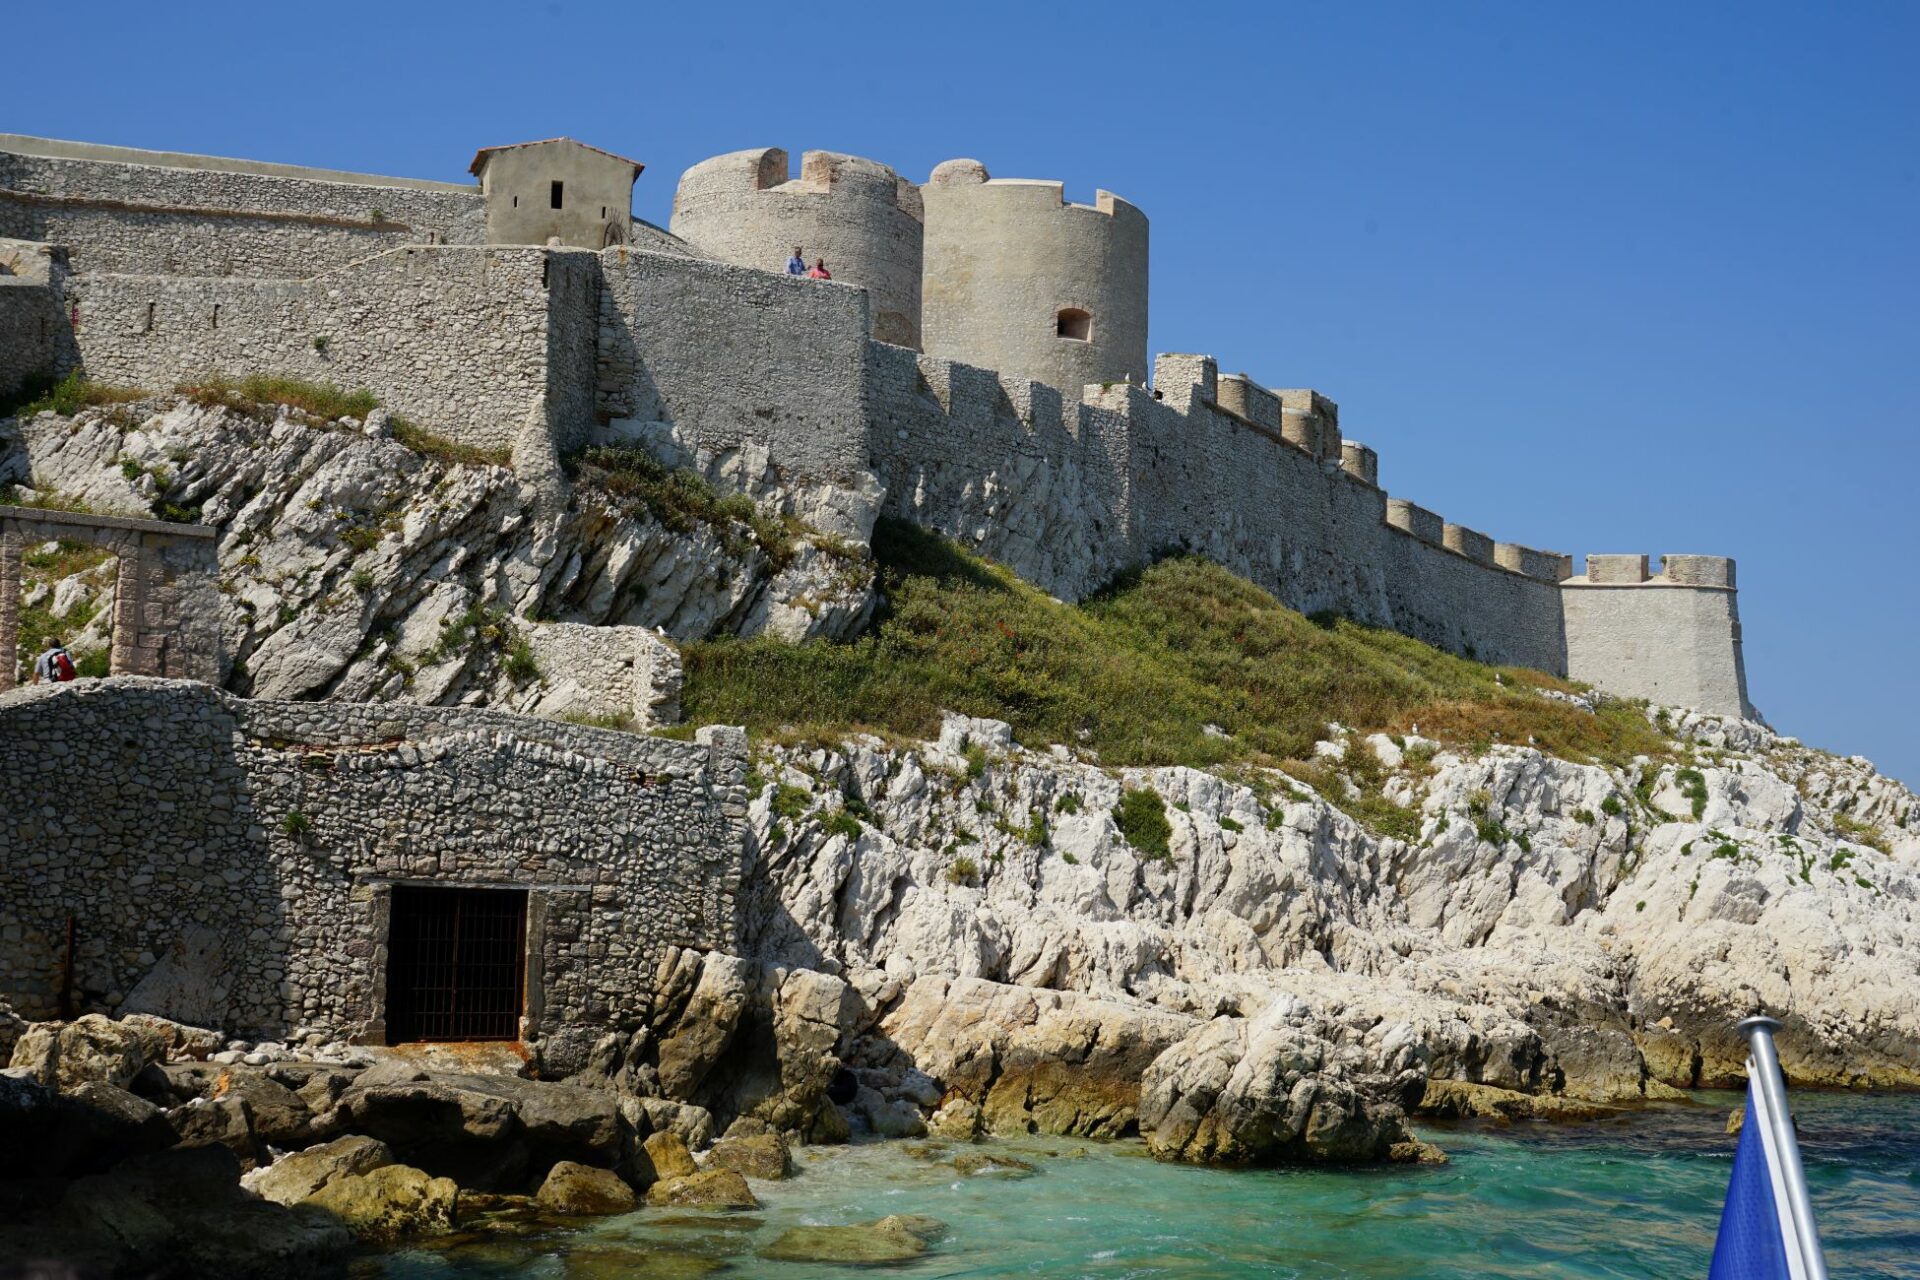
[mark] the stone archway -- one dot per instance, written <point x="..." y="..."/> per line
<point x="166" y="619"/>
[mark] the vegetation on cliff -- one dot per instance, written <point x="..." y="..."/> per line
<point x="1181" y="663"/>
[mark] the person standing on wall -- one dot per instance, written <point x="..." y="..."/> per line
<point x="55" y="666"/>
<point x="819" y="271"/>
<point x="797" y="264"/>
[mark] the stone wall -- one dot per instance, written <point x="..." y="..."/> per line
<point x="156" y="213"/>
<point x="735" y="358"/>
<point x="166" y="602"/>
<point x="1069" y="494"/>
<point x="1673" y="638"/>
<point x="1004" y="258"/>
<point x="228" y="862"/>
<point x="461" y="340"/>
<point x="36" y="342"/>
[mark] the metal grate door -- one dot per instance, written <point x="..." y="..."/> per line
<point x="456" y="964"/>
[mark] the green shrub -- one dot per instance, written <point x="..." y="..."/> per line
<point x="1036" y="833"/>
<point x="1228" y="824"/>
<point x="1693" y="785"/>
<point x="1611" y="806"/>
<point x="296" y="823"/>
<point x="790" y="802"/>
<point x="1068" y="803"/>
<point x="1583" y="816"/>
<point x="1141" y="816"/>
<point x="976" y="760"/>
<point x="683" y="500"/>
<point x="963" y="871"/>
<point x="841" y="823"/>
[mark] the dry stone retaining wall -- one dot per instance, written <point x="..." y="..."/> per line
<point x="237" y="856"/>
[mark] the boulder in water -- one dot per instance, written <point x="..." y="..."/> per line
<point x="579" y="1188"/>
<point x="711" y="1189"/>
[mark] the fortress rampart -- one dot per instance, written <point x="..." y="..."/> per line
<point x="260" y="884"/>
<point x="860" y="216"/>
<point x="1068" y="482"/>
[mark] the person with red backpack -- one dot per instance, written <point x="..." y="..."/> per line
<point x="55" y="666"/>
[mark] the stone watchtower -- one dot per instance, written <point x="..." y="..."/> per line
<point x="859" y="215"/>
<point x="556" y="190"/>
<point x="1021" y="281"/>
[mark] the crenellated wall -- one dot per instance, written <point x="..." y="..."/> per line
<point x="1008" y="259"/>
<point x="1672" y="637"/>
<point x="858" y="215"/>
<point x="1069" y="494"/>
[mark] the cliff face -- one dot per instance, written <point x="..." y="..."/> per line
<point x="1555" y="928"/>
<point x="356" y="567"/>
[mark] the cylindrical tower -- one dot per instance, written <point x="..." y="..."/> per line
<point x="860" y="216"/>
<point x="1020" y="281"/>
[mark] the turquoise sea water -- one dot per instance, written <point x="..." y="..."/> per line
<point x="1636" y="1196"/>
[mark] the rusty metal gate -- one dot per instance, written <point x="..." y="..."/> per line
<point x="456" y="964"/>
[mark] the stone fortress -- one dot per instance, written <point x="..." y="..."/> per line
<point x="978" y="366"/>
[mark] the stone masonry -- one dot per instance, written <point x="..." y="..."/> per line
<point x="228" y="862"/>
<point x="166" y="611"/>
<point x="778" y="384"/>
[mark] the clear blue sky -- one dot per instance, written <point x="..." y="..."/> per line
<point x="1622" y="277"/>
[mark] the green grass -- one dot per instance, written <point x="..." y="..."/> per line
<point x="1133" y="673"/>
<point x="66" y="397"/>
<point x="448" y="452"/>
<point x="683" y="501"/>
<point x="260" y="396"/>
<point x="37" y="625"/>
<point x="1860" y="832"/>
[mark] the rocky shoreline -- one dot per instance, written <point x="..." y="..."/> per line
<point x="160" y="1149"/>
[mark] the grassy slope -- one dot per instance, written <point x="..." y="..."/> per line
<point x="1134" y="673"/>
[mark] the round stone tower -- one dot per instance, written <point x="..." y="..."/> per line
<point x="1020" y="281"/>
<point x="860" y="216"/>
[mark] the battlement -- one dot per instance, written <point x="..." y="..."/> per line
<point x="767" y="169"/>
<point x="858" y="216"/>
<point x="1675" y="571"/>
<point x="1019" y="279"/>
<point x="1038" y="194"/>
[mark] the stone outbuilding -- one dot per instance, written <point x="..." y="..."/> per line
<point x="556" y="191"/>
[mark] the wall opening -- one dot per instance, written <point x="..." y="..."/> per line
<point x="558" y="189"/>
<point x="456" y="967"/>
<point x="149" y="328"/>
<point x="216" y="315"/>
<point x="1076" y="324"/>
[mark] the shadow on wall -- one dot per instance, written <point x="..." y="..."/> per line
<point x="148" y="887"/>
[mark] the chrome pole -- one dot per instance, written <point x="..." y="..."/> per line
<point x="1765" y="1073"/>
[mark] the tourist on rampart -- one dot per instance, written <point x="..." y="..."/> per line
<point x="55" y="666"/>
<point x="819" y="271"/>
<point x="797" y="264"/>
